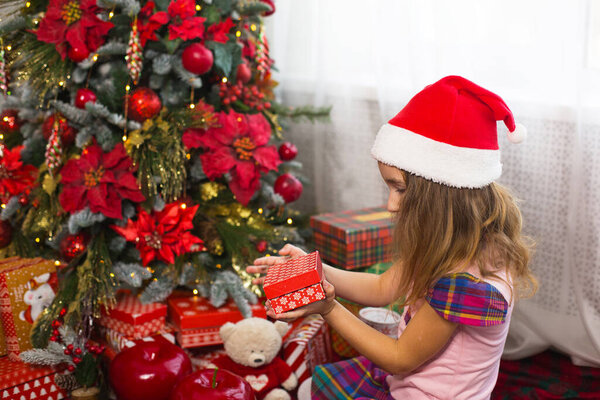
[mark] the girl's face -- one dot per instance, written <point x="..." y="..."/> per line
<point x="394" y="179"/>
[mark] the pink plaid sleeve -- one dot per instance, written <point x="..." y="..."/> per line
<point x="465" y="299"/>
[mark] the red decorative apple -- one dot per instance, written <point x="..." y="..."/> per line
<point x="213" y="384"/>
<point x="148" y="370"/>
<point x="83" y="96"/>
<point x="197" y="59"/>
<point x="243" y="74"/>
<point x="288" y="151"/>
<point x="78" y="54"/>
<point x="144" y="103"/>
<point x="288" y="187"/>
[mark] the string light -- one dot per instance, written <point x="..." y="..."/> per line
<point x="260" y="211"/>
<point x="37" y="239"/>
<point x="188" y="156"/>
<point x="127" y="88"/>
<point x="61" y="83"/>
<point x="290" y="221"/>
<point x="111" y="14"/>
<point x="183" y="206"/>
<point x="124" y="138"/>
<point x="224" y="80"/>
<point x="1" y="136"/>
<point x="9" y="47"/>
<point x="253" y="27"/>
<point x="95" y="58"/>
<point x="3" y="205"/>
<point x="133" y="274"/>
<point x="238" y="33"/>
<point x="192" y="106"/>
<point x="112" y="275"/>
<point x="195" y="291"/>
<point x="57" y="263"/>
<point x="198" y="7"/>
<point x="219" y="266"/>
<point x="28" y="4"/>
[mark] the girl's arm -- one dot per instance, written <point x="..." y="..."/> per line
<point x="425" y="335"/>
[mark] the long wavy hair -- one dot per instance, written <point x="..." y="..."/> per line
<point x="442" y="229"/>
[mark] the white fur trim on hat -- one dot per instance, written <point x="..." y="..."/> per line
<point x="440" y="162"/>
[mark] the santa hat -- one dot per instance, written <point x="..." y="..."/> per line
<point x="447" y="134"/>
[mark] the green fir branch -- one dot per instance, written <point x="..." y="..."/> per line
<point x="303" y="113"/>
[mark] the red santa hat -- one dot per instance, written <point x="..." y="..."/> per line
<point x="447" y="133"/>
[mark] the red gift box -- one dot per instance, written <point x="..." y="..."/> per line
<point x="295" y="283"/>
<point x="20" y="381"/>
<point x="203" y="358"/>
<point x="135" y="319"/>
<point x="307" y="345"/>
<point x="118" y="341"/>
<point x="198" y="322"/>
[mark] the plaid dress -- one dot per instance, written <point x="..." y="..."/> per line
<point x="476" y="305"/>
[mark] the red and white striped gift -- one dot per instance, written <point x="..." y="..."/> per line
<point x="306" y="346"/>
<point x="135" y="319"/>
<point x="20" y="381"/>
<point x="189" y="338"/>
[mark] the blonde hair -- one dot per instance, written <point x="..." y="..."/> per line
<point x="442" y="229"/>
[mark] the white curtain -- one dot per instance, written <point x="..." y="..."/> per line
<point x="367" y="58"/>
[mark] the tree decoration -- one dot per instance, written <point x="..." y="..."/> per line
<point x="143" y="103"/>
<point x="288" y="151"/>
<point x="237" y="146"/>
<point x="162" y="235"/>
<point x="288" y="187"/>
<point x="133" y="57"/>
<point x="9" y="121"/>
<point x="73" y="245"/>
<point x="148" y="22"/>
<point x="6" y="232"/>
<point x="3" y="78"/>
<point x="218" y="32"/>
<point x="243" y="73"/>
<point x="99" y="181"/>
<point x="197" y="59"/>
<point x="249" y="96"/>
<point x="184" y="24"/>
<point x="66" y="132"/>
<point x="261" y="246"/>
<point x="73" y="27"/>
<point x="15" y="176"/>
<point x="84" y="95"/>
<point x="54" y="150"/>
<point x="262" y="54"/>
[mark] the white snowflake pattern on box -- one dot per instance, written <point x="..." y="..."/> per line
<point x="297" y="299"/>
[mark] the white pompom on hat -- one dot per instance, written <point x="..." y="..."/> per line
<point x="447" y="133"/>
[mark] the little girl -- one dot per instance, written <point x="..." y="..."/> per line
<point x="460" y="256"/>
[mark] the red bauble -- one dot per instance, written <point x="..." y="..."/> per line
<point x="288" y="151"/>
<point x="144" y="103"/>
<point x="73" y="245"/>
<point x="288" y="187"/>
<point x="213" y="384"/>
<point x="261" y="246"/>
<point x="197" y="59"/>
<point x="83" y="96"/>
<point x="148" y="370"/>
<point x="270" y="3"/>
<point x="9" y="121"/>
<point x="243" y="74"/>
<point x="78" y="54"/>
<point x="6" y="230"/>
<point x="67" y="133"/>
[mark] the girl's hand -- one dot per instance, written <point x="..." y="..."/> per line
<point x="322" y="307"/>
<point x="261" y="265"/>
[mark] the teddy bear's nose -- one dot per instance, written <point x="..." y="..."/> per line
<point x="257" y="360"/>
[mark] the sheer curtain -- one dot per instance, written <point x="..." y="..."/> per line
<point x="543" y="57"/>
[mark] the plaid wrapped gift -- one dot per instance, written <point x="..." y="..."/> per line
<point x="307" y="345"/>
<point x="354" y="239"/>
<point x="295" y="283"/>
<point x="133" y="318"/>
<point x="198" y="322"/>
<point x="20" y="381"/>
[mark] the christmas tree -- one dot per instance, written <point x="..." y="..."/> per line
<point x="142" y="148"/>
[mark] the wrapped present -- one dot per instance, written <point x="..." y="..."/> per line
<point x="198" y="322"/>
<point x="118" y="341"/>
<point x="339" y="345"/>
<point x="204" y="357"/>
<point x="27" y="287"/>
<point x="3" y="350"/>
<point x="295" y="283"/>
<point x="354" y="239"/>
<point x="22" y="381"/>
<point x="307" y="345"/>
<point x="133" y="318"/>
<point x="378" y="268"/>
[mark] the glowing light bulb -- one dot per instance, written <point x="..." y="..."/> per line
<point x="253" y="27"/>
<point x="224" y="80"/>
<point x="183" y="206"/>
<point x="57" y="263"/>
<point x="127" y="88"/>
<point x="238" y="34"/>
<point x="260" y="210"/>
<point x="195" y="291"/>
<point x="290" y="221"/>
<point x="192" y="106"/>
<point x="124" y="138"/>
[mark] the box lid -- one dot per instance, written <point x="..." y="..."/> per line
<point x="131" y="310"/>
<point x="354" y="225"/>
<point x="293" y="275"/>
<point x="197" y="312"/>
<point x="13" y="373"/>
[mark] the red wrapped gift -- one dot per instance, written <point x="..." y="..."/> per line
<point x="135" y="319"/>
<point x="22" y="381"/>
<point x="118" y="341"/>
<point x="198" y="322"/>
<point x="307" y="345"/>
<point x="203" y="358"/>
<point x="295" y="283"/>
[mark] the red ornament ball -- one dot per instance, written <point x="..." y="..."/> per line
<point x="83" y="96"/>
<point x="197" y="59"/>
<point x="288" y="187"/>
<point x="78" y="54"/>
<point x="144" y="103"/>
<point x="6" y="231"/>
<point x="243" y="74"/>
<point x="73" y="245"/>
<point x="9" y="121"/>
<point x="261" y="246"/>
<point x="288" y="151"/>
<point x="67" y="132"/>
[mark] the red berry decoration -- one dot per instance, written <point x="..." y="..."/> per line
<point x="67" y="132"/>
<point x="288" y="151"/>
<point x="6" y="231"/>
<point x="73" y="245"/>
<point x="288" y="187"/>
<point x="71" y="368"/>
<point x="197" y="59"/>
<point x="144" y="103"/>
<point x="261" y="246"/>
<point x="243" y="74"/>
<point x="83" y="96"/>
<point x="9" y="121"/>
<point x="78" y="54"/>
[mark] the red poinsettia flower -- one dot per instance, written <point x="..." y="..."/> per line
<point x="163" y="235"/>
<point x="218" y="32"/>
<point x="15" y="177"/>
<point x="237" y="146"/>
<point x="184" y="24"/>
<point x="99" y="180"/>
<point x="72" y="23"/>
<point x="148" y="23"/>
